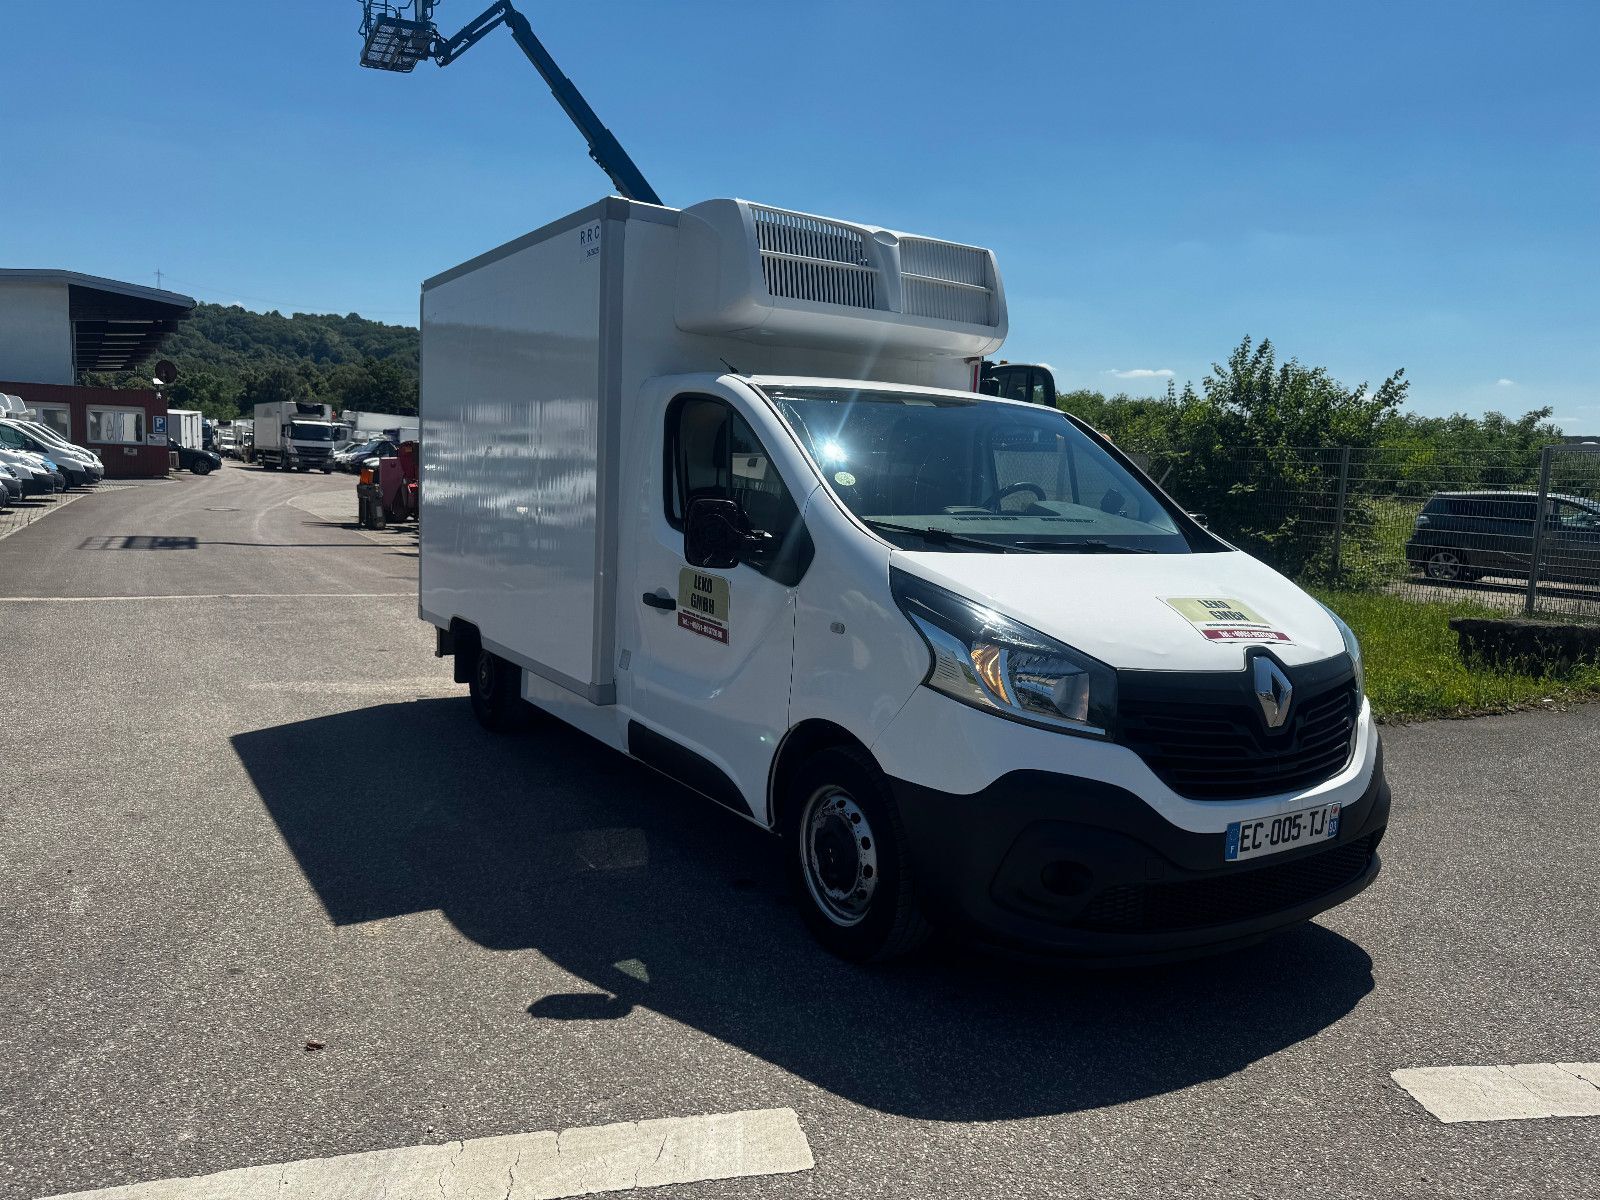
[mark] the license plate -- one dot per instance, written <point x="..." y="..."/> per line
<point x="1270" y="835"/>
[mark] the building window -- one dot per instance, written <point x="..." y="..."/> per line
<point x="116" y="426"/>
<point x="57" y="417"/>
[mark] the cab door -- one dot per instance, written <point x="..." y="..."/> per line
<point x="708" y="678"/>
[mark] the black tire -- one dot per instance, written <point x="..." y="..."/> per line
<point x="201" y="468"/>
<point x="496" y="688"/>
<point x="1445" y="564"/>
<point x="327" y="470"/>
<point x="856" y="892"/>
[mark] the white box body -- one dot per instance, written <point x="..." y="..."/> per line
<point x="533" y="358"/>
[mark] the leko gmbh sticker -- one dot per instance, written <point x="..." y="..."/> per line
<point x="1219" y="619"/>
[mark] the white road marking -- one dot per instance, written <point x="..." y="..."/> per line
<point x="523" y="1166"/>
<point x="1513" y="1093"/>
<point x="213" y="596"/>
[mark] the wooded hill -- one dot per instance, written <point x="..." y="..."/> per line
<point x="230" y="359"/>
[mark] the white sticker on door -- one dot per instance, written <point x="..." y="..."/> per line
<point x="703" y="604"/>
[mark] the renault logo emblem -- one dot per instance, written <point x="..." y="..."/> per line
<point x="1273" y="689"/>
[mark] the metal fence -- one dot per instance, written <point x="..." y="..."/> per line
<point x="1515" y="531"/>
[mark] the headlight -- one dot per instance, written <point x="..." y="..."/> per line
<point x="994" y="663"/>
<point x="1352" y="648"/>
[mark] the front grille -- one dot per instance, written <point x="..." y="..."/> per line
<point x="1229" y="898"/>
<point x="1210" y="742"/>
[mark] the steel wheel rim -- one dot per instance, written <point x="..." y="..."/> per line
<point x="839" y="856"/>
<point x="1444" y="564"/>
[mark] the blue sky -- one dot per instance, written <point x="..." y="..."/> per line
<point x="1372" y="185"/>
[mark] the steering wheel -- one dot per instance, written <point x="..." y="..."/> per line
<point x="994" y="501"/>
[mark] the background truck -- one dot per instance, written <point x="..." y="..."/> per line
<point x="294" y="435"/>
<point x="394" y="426"/>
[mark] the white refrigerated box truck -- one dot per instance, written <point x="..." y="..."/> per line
<point x="715" y="486"/>
<point x="294" y="435"/>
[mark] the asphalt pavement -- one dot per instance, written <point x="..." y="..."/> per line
<point x="268" y="893"/>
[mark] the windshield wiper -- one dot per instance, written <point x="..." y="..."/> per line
<point x="1093" y="546"/>
<point x="945" y="537"/>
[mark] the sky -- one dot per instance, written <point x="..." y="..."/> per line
<point x="1371" y="185"/>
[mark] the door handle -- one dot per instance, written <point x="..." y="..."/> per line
<point x="655" y="600"/>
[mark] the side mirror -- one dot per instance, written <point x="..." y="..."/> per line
<point x="717" y="535"/>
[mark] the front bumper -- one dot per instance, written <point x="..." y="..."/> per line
<point x="1080" y="868"/>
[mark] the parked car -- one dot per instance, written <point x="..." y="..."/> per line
<point x="38" y="479"/>
<point x="355" y="457"/>
<point x="75" y="470"/>
<point x="1462" y="536"/>
<point x="10" y="486"/>
<point x="48" y="437"/>
<point x="201" y="462"/>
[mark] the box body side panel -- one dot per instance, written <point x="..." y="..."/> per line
<point x="511" y="418"/>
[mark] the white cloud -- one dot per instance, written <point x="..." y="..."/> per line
<point x="1144" y="373"/>
<point x="1503" y="382"/>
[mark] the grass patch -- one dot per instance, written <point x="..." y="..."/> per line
<point x="1414" y="670"/>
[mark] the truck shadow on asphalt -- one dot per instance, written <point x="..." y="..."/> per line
<point x="548" y="840"/>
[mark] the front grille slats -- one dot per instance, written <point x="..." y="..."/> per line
<point x="1215" y="745"/>
<point x="1196" y="904"/>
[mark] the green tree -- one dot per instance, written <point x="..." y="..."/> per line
<point x="372" y="385"/>
<point x="214" y="393"/>
<point x="274" y="384"/>
<point x="1255" y="447"/>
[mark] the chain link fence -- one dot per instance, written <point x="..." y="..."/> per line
<point x="1517" y="531"/>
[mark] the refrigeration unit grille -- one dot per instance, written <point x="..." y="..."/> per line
<point x="806" y="258"/>
<point x="946" y="281"/>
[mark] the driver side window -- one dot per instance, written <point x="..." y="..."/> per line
<point x="712" y="453"/>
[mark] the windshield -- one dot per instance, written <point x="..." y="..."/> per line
<point x="975" y="474"/>
<point x="305" y="431"/>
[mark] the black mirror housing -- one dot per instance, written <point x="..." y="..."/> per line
<point x="713" y="534"/>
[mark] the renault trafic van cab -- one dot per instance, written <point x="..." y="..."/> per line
<point x="716" y="487"/>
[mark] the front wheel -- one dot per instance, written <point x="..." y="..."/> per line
<point x="496" y="687"/>
<point x="1445" y="566"/>
<point x="848" y="860"/>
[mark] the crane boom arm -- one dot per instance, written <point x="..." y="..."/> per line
<point x="604" y="148"/>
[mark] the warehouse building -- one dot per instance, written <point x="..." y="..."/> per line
<point x="57" y="325"/>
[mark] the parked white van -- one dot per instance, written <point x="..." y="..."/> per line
<point x="715" y="487"/>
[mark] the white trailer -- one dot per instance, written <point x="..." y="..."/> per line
<point x="715" y="487"/>
<point x="396" y="427"/>
<point x="184" y="426"/>
<point x="294" y="435"/>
